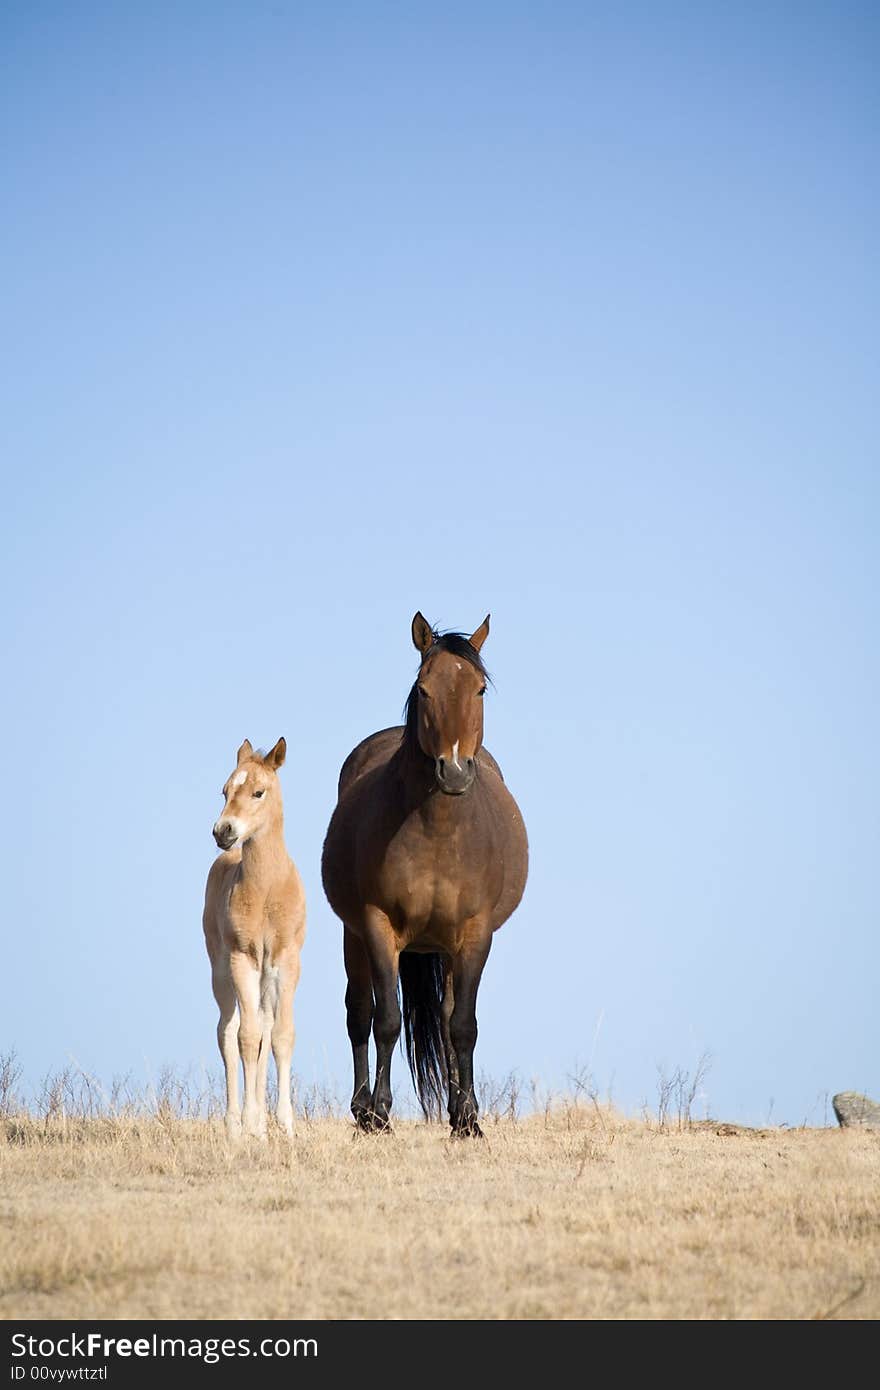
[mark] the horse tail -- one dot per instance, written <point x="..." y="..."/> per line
<point x="421" y="987"/>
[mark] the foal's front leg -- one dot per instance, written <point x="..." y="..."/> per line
<point x="227" y="1041"/>
<point x="246" y="978"/>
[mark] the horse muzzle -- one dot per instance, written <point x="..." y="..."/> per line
<point x="224" y="834"/>
<point x="455" y="778"/>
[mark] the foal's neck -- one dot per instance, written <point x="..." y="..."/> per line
<point x="266" y="854"/>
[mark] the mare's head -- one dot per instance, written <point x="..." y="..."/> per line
<point x="252" y="795"/>
<point x="445" y="706"/>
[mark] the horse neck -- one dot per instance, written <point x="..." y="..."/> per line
<point x="412" y="769"/>
<point x="414" y="773"/>
<point x="264" y="856"/>
<point x="409" y="766"/>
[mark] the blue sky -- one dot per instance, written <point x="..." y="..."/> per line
<point x="316" y="315"/>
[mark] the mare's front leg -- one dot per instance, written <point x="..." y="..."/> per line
<point x="246" y="978"/>
<point x="359" y="1020"/>
<point x="384" y="953"/>
<point x="467" y="969"/>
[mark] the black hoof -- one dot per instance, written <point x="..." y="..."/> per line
<point x="368" y="1122"/>
<point x="381" y="1119"/>
<point x="467" y="1129"/>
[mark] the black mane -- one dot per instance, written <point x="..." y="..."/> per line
<point x="459" y="645"/>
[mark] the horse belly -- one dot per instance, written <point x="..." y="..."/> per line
<point x="432" y="898"/>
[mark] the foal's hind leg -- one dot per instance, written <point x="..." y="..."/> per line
<point x="282" y="1038"/>
<point x="268" y="1004"/>
<point x="359" y="1017"/>
<point x="227" y="1040"/>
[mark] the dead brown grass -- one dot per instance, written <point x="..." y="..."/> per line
<point x="576" y="1213"/>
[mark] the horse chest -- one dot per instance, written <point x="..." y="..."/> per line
<point x="250" y="919"/>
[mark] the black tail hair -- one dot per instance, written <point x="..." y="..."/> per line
<point x="421" y="987"/>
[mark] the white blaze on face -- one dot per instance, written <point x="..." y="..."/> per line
<point x="455" y="761"/>
<point x="235" y="825"/>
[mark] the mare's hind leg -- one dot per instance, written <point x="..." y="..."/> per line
<point x="384" y="953"/>
<point x="227" y="1041"/>
<point x="466" y="972"/>
<point x="359" y="1018"/>
<point x="451" y="1059"/>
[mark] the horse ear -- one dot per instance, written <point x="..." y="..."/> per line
<point x="275" y="757"/>
<point x="478" y="638"/>
<point x="422" y="633"/>
<point x="245" y="751"/>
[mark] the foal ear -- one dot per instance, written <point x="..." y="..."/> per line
<point x="275" y="757"/>
<point x="245" y="751"/>
<point x="422" y="634"/>
<point x="478" y="638"/>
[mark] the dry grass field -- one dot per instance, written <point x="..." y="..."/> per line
<point x="576" y="1212"/>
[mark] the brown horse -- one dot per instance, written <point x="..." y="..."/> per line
<point x="425" y="857"/>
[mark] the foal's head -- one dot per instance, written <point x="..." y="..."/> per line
<point x="252" y="795"/>
<point x="445" y="706"/>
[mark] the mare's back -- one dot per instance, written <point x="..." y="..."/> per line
<point x="370" y="752"/>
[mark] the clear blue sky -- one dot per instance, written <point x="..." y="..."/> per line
<point x="314" y="315"/>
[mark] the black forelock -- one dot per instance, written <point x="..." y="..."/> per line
<point x="458" y="645"/>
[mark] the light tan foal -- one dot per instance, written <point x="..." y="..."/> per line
<point x="255" y="924"/>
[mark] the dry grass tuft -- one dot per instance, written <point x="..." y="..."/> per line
<point x="574" y="1212"/>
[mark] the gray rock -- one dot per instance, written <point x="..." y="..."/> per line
<point x="855" y="1111"/>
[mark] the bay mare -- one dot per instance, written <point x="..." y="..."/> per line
<point x="425" y="857"/>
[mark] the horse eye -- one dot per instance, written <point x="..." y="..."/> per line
<point x="482" y="692"/>
<point x="423" y="692"/>
<point x="258" y="794"/>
